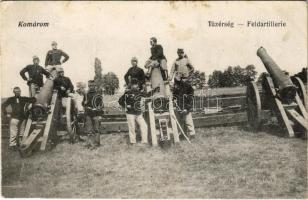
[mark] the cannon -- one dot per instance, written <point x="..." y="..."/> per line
<point x="284" y="97"/>
<point x="45" y="117"/>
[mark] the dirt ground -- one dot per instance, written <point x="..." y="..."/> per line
<point x="223" y="162"/>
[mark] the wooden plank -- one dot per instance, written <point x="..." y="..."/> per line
<point x="301" y="107"/>
<point x="27" y="129"/>
<point x="152" y="125"/>
<point x="50" y="121"/>
<point x="298" y="118"/>
<point x="171" y="113"/>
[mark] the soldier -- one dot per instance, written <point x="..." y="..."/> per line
<point x="35" y="76"/>
<point x="93" y="110"/>
<point x="183" y="95"/>
<point x="135" y="72"/>
<point x="63" y="84"/>
<point x="131" y="101"/>
<point x="53" y="57"/>
<point x="181" y="68"/>
<point x="18" y="116"/>
<point x="157" y="66"/>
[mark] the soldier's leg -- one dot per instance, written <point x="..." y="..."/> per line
<point x="89" y="130"/>
<point x="190" y="124"/>
<point x="13" y="131"/>
<point x="143" y="128"/>
<point x="32" y="90"/>
<point x="131" y="128"/>
<point x="97" y="138"/>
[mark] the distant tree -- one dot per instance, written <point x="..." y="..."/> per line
<point x="215" y="79"/>
<point x="232" y="76"/>
<point x="110" y="83"/>
<point x="198" y="79"/>
<point x="98" y="78"/>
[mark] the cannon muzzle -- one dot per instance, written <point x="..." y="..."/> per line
<point x="282" y="81"/>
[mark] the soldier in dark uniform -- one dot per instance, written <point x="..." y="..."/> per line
<point x="18" y="116"/>
<point x="157" y="66"/>
<point x="35" y="76"/>
<point x="183" y="95"/>
<point x="63" y="84"/>
<point x="135" y="72"/>
<point x="54" y="56"/>
<point x="93" y="109"/>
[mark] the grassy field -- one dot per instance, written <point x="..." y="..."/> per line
<point x="222" y="162"/>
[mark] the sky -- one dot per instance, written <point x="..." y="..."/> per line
<point x="116" y="31"/>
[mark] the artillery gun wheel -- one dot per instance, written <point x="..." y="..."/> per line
<point x="71" y="119"/>
<point x="253" y="106"/>
<point x="302" y="92"/>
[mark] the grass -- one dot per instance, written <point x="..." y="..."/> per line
<point x="223" y="162"/>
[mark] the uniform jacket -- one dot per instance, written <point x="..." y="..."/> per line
<point x="18" y="104"/>
<point x="183" y="94"/>
<point x="35" y="72"/>
<point x="157" y="53"/>
<point x="53" y="57"/>
<point x="64" y="82"/>
<point x="137" y="73"/>
<point x="89" y="101"/>
<point x="181" y="67"/>
<point x="131" y="101"/>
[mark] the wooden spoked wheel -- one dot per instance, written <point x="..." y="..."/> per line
<point x="302" y="92"/>
<point x="71" y="119"/>
<point x="253" y="106"/>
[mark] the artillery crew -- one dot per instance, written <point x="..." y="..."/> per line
<point x="54" y="56"/>
<point x="35" y="76"/>
<point x="18" y="115"/>
<point x="135" y="72"/>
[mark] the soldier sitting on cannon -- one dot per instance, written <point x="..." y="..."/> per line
<point x="35" y="76"/>
<point x="63" y="84"/>
<point x="93" y="106"/>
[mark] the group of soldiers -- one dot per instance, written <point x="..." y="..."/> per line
<point x="135" y="79"/>
<point x="157" y="75"/>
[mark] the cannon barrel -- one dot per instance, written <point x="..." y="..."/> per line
<point x="282" y="81"/>
<point x="43" y="98"/>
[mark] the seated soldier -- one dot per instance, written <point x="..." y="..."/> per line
<point x="63" y="84"/>
<point x="183" y="95"/>
<point x="93" y="110"/>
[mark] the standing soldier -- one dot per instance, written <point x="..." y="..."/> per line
<point x="135" y="72"/>
<point x="181" y="68"/>
<point x="131" y="101"/>
<point x="35" y="76"/>
<point x="53" y="57"/>
<point x="93" y="109"/>
<point x="183" y="95"/>
<point x="157" y="66"/>
<point x="18" y="116"/>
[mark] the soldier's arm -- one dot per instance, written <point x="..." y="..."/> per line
<point x="23" y="73"/>
<point x="45" y="72"/>
<point x="190" y="66"/>
<point x="71" y="86"/>
<point x="66" y="57"/>
<point x="5" y="104"/>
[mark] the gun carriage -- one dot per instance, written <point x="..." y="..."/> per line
<point x="286" y="98"/>
<point x="48" y="115"/>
